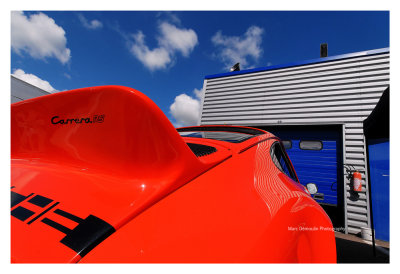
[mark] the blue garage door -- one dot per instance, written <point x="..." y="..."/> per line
<point x="316" y="156"/>
<point x="379" y="174"/>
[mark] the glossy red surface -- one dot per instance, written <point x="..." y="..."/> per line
<point x="132" y="170"/>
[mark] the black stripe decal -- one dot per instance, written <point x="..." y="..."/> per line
<point x="87" y="235"/>
<point x="22" y="213"/>
<point x="68" y="215"/>
<point x="41" y="201"/>
<point x="41" y="214"/>
<point x="16" y="198"/>
<point x="56" y="225"/>
<point x="89" y="232"/>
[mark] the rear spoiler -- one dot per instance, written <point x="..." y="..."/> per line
<point x="108" y="129"/>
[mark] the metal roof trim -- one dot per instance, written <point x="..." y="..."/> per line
<point x="301" y="63"/>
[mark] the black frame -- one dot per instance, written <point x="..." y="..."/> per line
<point x="288" y="163"/>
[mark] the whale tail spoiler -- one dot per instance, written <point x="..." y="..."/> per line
<point x="109" y="128"/>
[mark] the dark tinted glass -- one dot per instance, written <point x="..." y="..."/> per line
<point x="281" y="161"/>
<point x="287" y="144"/>
<point x="220" y="133"/>
<point x="311" y="145"/>
<point x="231" y="137"/>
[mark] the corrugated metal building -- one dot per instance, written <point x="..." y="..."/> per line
<point x="21" y="90"/>
<point x="324" y="99"/>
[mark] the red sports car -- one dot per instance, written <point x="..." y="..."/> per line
<point x="100" y="175"/>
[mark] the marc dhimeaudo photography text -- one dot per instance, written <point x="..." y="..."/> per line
<point x="316" y="228"/>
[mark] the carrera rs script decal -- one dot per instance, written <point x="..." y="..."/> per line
<point x="86" y="235"/>
<point x="83" y="120"/>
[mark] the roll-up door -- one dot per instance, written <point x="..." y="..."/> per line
<point x="315" y="152"/>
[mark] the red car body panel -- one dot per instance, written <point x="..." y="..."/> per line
<point x="101" y="175"/>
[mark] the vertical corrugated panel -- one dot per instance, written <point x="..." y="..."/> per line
<point x="342" y="91"/>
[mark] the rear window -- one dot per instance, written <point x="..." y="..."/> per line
<point x="231" y="137"/>
<point x="220" y="133"/>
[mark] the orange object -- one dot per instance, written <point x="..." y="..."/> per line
<point x="357" y="182"/>
<point x="101" y="175"/>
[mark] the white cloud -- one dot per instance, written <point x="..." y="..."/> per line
<point x="186" y="110"/>
<point x="33" y="80"/>
<point x="233" y="49"/>
<point x="169" y="16"/>
<point x="39" y="36"/>
<point x="94" y="24"/>
<point x="170" y="41"/>
<point x="199" y="93"/>
<point x="157" y="58"/>
<point x="183" y="40"/>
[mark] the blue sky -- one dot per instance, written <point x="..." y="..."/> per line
<point x="167" y="54"/>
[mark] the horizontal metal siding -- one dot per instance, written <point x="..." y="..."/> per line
<point x="337" y="92"/>
<point x="21" y="90"/>
<point x="329" y="66"/>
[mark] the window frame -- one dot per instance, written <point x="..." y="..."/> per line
<point x="292" y="174"/>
